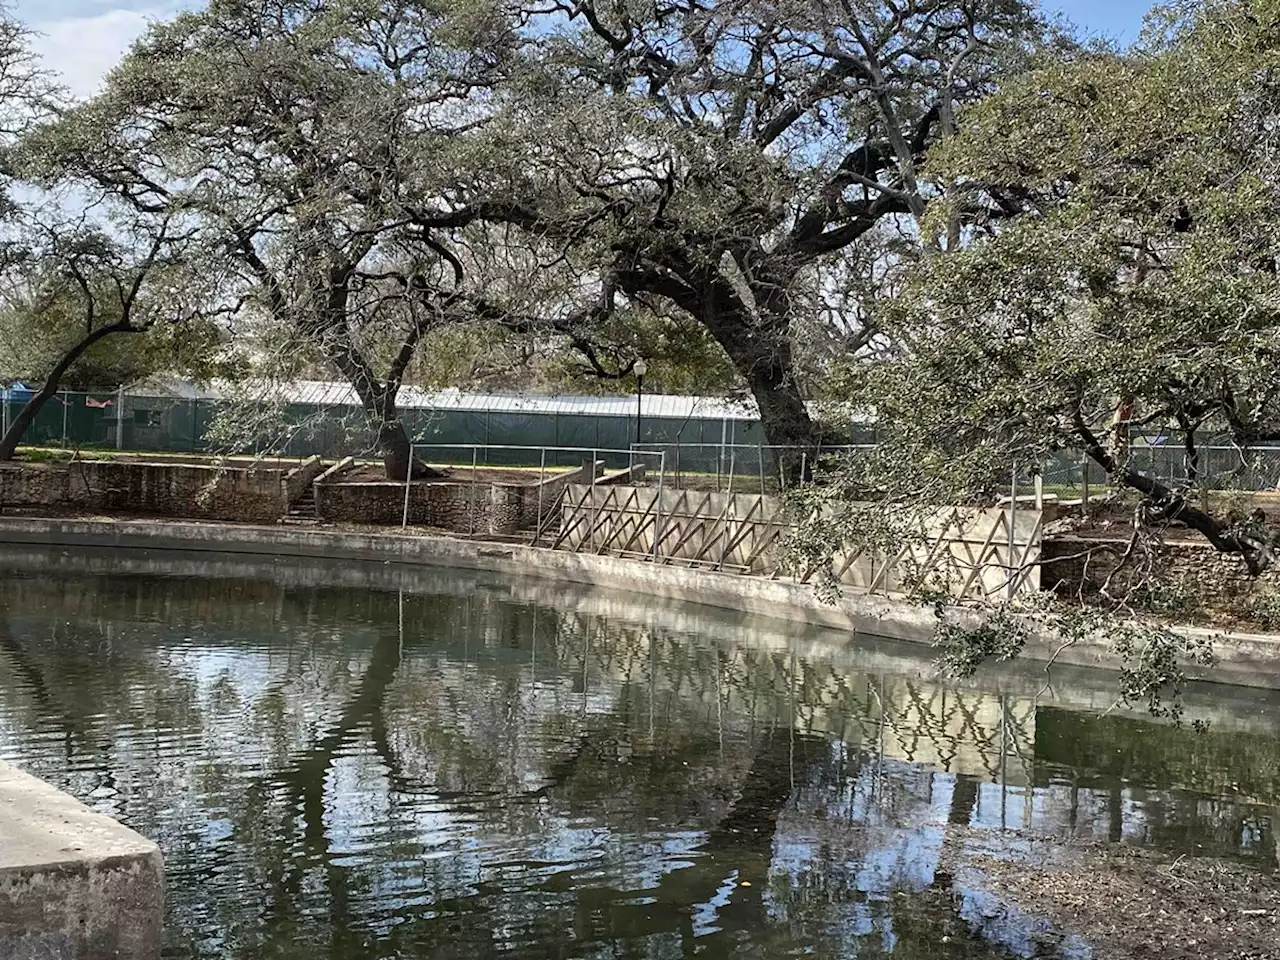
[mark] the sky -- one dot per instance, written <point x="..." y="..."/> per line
<point x="82" y="39"/>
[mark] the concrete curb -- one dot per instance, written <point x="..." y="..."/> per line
<point x="1248" y="660"/>
<point x="74" y="884"/>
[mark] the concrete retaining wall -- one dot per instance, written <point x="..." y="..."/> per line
<point x="160" y="489"/>
<point x="74" y="885"/>
<point x="1247" y="659"/>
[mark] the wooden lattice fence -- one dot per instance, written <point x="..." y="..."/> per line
<point x="969" y="553"/>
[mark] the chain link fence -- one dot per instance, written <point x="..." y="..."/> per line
<point x="715" y="454"/>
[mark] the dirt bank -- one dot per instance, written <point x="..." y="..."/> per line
<point x="1139" y="905"/>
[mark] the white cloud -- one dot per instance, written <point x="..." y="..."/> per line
<point x="83" y="49"/>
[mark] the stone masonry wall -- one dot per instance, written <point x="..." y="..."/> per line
<point x="299" y="479"/>
<point x="1068" y="562"/>
<point x="532" y="500"/>
<point x="158" y="489"/>
<point x="458" y="507"/>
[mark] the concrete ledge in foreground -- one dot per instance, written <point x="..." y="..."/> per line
<point x="74" y="884"/>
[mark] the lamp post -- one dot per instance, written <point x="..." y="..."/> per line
<point x="641" y="368"/>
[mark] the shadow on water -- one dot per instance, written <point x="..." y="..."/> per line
<point x="346" y="761"/>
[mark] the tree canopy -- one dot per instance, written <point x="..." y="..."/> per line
<point x="595" y="180"/>
<point x="1117" y="267"/>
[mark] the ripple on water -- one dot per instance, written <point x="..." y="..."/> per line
<point x="337" y="774"/>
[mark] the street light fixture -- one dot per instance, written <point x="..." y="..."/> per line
<point x="641" y="368"/>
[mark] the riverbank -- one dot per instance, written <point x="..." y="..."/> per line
<point x="1243" y="659"/>
<point x="1134" y="904"/>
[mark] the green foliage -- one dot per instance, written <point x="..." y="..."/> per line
<point x="1171" y="598"/>
<point x="1104" y="250"/>
<point x="962" y="650"/>
<point x="36" y="332"/>
<point x="42" y="455"/>
<point x="1139" y="265"/>
<point x="1154" y="671"/>
<point x="1154" y="658"/>
<point x="1262" y="607"/>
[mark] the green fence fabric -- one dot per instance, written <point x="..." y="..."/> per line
<point x="706" y="445"/>
<point x="169" y="425"/>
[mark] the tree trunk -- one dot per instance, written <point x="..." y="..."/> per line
<point x="1257" y="543"/>
<point x="393" y="440"/>
<point x="762" y="356"/>
<point x="378" y="398"/>
<point x="9" y="443"/>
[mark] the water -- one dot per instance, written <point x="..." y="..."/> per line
<point x="345" y="762"/>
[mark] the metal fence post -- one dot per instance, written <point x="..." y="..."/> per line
<point x="408" y="475"/>
<point x="1084" y="485"/>
<point x="120" y="417"/>
<point x="760" y="457"/>
<point x="657" y="506"/>
<point x="475" y="460"/>
<point x="542" y="472"/>
<point x="724" y="432"/>
<point x="65" y="401"/>
<point x="1013" y="521"/>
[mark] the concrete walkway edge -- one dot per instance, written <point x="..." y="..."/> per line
<point x="74" y="884"/>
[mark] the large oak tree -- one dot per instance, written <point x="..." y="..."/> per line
<point x="296" y="134"/>
<point x="721" y="159"/>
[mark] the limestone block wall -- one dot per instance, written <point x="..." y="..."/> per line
<point x="1069" y="563"/>
<point x="156" y="489"/>
<point x="34" y="485"/>
<point x="297" y="480"/>
<point x="543" y="496"/>
<point x="482" y="508"/>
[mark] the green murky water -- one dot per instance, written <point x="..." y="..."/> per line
<point x="347" y="762"/>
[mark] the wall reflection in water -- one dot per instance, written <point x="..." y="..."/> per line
<point x="448" y="766"/>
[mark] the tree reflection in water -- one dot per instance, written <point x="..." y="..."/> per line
<point x="459" y="772"/>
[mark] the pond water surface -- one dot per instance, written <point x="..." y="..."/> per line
<point x="346" y="762"/>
